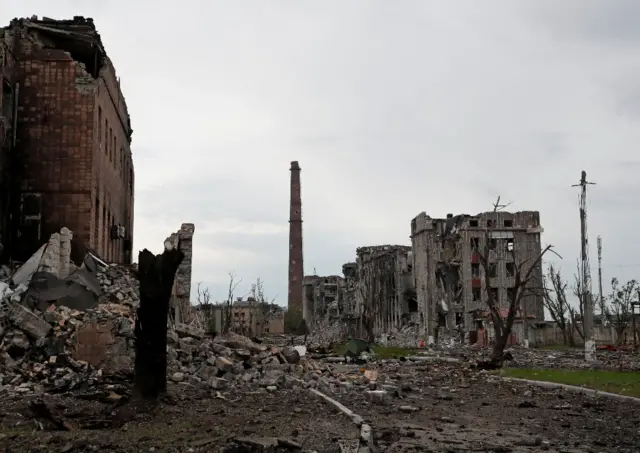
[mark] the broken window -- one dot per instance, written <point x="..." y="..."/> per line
<point x="475" y="270"/>
<point x="508" y="223"/>
<point x="493" y="270"/>
<point x="511" y="270"/>
<point x="413" y="306"/>
<point x="475" y="243"/>
<point x="473" y="223"/>
<point x="493" y="243"/>
<point x="489" y="223"/>
<point x="493" y="294"/>
<point x="509" y="245"/>
<point x="475" y="292"/>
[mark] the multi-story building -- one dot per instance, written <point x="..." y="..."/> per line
<point x="322" y="297"/>
<point x="449" y="278"/>
<point x="71" y="162"/>
<point x="384" y="293"/>
<point x="248" y="317"/>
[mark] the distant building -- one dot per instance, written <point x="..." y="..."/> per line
<point x="444" y="263"/>
<point x="65" y="132"/>
<point x="322" y="297"/>
<point x="248" y="317"/>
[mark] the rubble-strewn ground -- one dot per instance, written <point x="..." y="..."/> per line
<point x="443" y="407"/>
<point x="193" y="422"/>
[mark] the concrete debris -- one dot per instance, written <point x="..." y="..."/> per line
<point x="119" y="284"/>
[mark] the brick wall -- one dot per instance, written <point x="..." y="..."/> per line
<point x="73" y="150"/>
<point x="113" y="176"/>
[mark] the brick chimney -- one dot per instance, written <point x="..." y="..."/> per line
<point x="296" y="268"/>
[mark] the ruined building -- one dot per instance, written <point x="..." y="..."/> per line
<point x="384" y="294"/>
<point x="296" y="267"/>
<point x="66" y="127"/>
<point x="322" y="298"/>
<point x="449" y="280"/>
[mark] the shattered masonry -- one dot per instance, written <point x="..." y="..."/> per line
<point x="65" y="156"/>
<point x="448" y="276"/>
<point x="181" y="293"/>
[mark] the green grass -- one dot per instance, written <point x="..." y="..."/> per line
<point x="622" y="383"/>
<point x="381" y="352"/>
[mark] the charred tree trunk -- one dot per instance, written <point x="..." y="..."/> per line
<point x="156" y="274"/>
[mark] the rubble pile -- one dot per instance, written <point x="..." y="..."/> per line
<point x="119" y="284"/>
<point x="65" y="350"/>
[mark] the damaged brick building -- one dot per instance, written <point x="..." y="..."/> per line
<point x="449" y="280"/>
<point x="66" y="140"/>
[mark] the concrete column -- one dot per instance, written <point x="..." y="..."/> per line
<point x="50" y="261"/>
<point x="66" y="235"/>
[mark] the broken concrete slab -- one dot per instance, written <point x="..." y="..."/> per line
<point x="29" y="322"/>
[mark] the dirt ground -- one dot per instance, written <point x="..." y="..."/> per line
<point x="187" y="422"/>
<point x="439" y="408"/>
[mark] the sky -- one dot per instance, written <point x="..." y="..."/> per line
<point x="391" y="107"/>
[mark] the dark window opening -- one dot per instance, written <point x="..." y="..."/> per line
<point x="509" y="245"/>
<point x="7" y="103"/>
<point x="477" y="297"/>
<point x="489" y="223"/>
<point x="508" y="223"/>
<point x="473" y="223"/>
<point x="475" y="270"/>
<point x="493" y="270"/>
<point x="511" y="270"/>
<point x="511" y="294"/>
<point x="475" y="243"/>
<point x="413" y="306"/>
<point x="493" y="243"/>
<point x="493" y="294"/>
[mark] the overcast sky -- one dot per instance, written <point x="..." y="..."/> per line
<point x="391" y="107"/>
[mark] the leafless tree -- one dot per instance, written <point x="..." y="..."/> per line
<point x="555" y="300"/>
<point x="261" y="305"/>
<point x="576" y="314"/>
<point x="228" y="305"/>
<point x="205" y="308"/>
<point x="525" y="284"/>
<point x="617" y="309"/>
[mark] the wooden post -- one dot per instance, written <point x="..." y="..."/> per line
<point x="156" y="274"/>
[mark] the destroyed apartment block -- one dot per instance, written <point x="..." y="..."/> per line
<point x="56" y="75"/>
<point x="322" y="298"/>
<point x="384" y="292"/>
<point x="450" y="280"/>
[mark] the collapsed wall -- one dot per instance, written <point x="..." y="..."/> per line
<point x="181" y="292"/>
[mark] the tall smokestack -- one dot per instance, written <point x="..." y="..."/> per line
<point x="296" y="268"/>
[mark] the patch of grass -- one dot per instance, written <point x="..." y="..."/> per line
<point x="622" y="383"/>
<point x="381" y="352"/>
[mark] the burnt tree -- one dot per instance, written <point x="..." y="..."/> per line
<point x="156" y="274"/>
<point x="525" y="284"/>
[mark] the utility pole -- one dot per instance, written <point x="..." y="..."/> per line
<point x="585" y="273"/>
<point x="601" y="299"/>
<point x="633" y="322"/>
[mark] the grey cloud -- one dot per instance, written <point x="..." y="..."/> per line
<point x="392" y="108"/>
